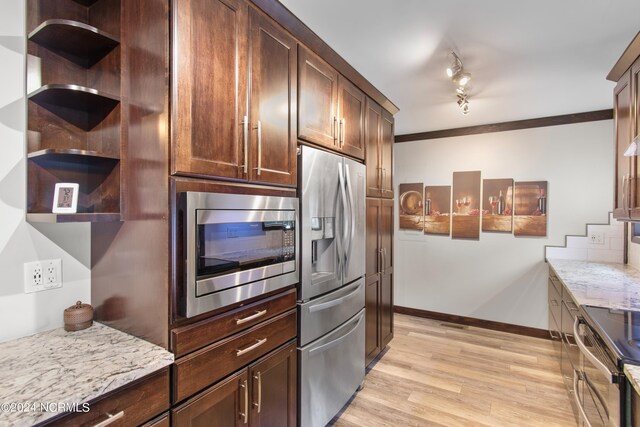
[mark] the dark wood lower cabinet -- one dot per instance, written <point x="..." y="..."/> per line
<point x="274" y="389"/>
<point x="263" y="394"/>
<point x="372" y="318"/>
<point x="224" y="404"/>
<point x="386" y="307"/>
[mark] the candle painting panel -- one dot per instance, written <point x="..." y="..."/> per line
<point x="465" y="222"/>
<point x="530" y="209"/>
<point x="437" y="210"/>
<point x="410" y="206"/>
<point x="497" y="202"/>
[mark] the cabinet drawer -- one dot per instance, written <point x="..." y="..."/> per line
<point x="189" y="338"/>
<point x="138" y="403"/>
<point x="554" y="303"/>
<point x="210" y="364"/>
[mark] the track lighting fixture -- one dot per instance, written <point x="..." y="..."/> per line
<point x="461" y="79"/>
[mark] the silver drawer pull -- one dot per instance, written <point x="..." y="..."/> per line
<point x="111" y="419"/>
<point x="251" y="347"/>
<point x="252" y="317"/>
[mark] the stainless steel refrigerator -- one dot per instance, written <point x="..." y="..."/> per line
<point x="332" y="288"/>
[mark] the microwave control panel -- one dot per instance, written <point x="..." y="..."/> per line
<point x="289" y="244"/>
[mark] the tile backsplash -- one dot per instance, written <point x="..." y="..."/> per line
<point x="581" y="248"/>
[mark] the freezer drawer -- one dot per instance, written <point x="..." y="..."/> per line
<point x="321" y="315"/>
<point x="331" y="370"/>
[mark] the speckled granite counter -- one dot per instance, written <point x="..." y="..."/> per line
<point x="600" y="284"/>
<point x="604" y="285"/>
<point x="70" y="367"/>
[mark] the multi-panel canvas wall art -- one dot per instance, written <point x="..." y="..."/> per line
<point x="465" y="222"/>
<point x="530" y="209"/>
<point x="410" y="206"/>
<point x="437" y="210"/>
<point x="497" y="201"/>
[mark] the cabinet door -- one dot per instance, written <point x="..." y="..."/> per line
<point x="274" y="389"/>
<point x="386" y="307"/>
<point x="385" y="233"/>
<point x="622" y="116"/>
<point x="386" y="155"/>
<point x="372" y="135"/>
<point x="209" y="87"/>
<point x="635" y="133"/>
<point x="226" y="405"/>
<point x="351" y="109"/>
<point x="372" y="318"/>
<point x="273" y="102"/>
<point x="318" y="100"/>
<point x="373" y="255"/>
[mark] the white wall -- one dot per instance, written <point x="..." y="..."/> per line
<point x="501" y="277"/>
<point x="23" y="314"/>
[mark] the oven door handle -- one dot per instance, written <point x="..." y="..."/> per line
<point x="576" y="398"/>
<point x="597" y="393"/>
<point x="585" y="351"/>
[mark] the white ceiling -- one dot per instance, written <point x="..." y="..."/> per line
<point x="528" y="59"/>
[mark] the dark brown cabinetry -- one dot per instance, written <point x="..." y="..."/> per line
<point x="264" y="394"/>
<point x="331" y="109"/>
<point x="379" y="134"/>
<point x="379" y="277"/>
<point x="221" y="129"/>
<point x="626" y="103"/>
<point x="133" y="404"/>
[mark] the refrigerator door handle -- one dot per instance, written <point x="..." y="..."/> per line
<point x="343" y="193"/>
<point x="336" y="234"/>
<point x="352" y="215"/>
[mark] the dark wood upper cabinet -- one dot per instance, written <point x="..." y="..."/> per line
<point x="318" y="100"/>
<point x="209" y="87"/>
<point x="379" y="129"/>
<point x="635" y="132"/>
<point x="274" y="389"/>
<point x="225" y="404"/>
<point x="273" y="100"/>
<point x="351" y="110"/>
<point x="379" y="276"/>
<point x="386" y="155"/>
<point x="372" y="133"/>
<point x="622" y="118"/>
<point x="626" y="115"/>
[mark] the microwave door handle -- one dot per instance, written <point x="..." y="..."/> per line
<point x="352" y="213"/>
<point x="585" y="351"/>
<point x="344" y="205"/>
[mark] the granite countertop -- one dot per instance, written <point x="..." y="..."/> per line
<point x="601" y="284"/>
<point x="58" y="367"/>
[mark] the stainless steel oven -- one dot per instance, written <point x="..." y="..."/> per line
<point x="598" y="386"/>
<point x="235" y="247"/>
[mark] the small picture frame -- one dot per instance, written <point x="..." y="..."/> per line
<point x="65" y="198"/>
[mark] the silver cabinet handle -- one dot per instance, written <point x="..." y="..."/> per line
<point x="570" y="339"/>
<point x="334" y="130"/>
<point x="380" y="260"/>
<point x="111" y="419"/>
<point x="554" y="302"/>
<point x="343" y="130"/>
<point x="251" y="347"/>
<point x="245" y="414"/>
<point x="259" y="147"/>
<point x="576" y="398"/>
<point x="245" y="138"/>
<point x="585" y="351"/>
<point x="554" y="337"/>
<point x="252" y="317"/>
<point x="571" y="306"/>
<point x="258" y="377"/>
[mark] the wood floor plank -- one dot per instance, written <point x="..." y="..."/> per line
<point x="436" y="374"/>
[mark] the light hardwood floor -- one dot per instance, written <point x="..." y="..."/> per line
<point x="442" y="374"/>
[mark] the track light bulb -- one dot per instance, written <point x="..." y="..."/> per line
<point x="464" y="79"/>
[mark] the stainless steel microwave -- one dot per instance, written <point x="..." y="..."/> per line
<point x="235" y="247"/>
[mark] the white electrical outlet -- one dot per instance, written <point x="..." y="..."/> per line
<point x="42" y="275"/>
<point x="596" y="238"/>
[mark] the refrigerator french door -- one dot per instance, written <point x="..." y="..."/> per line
<point x="331" y="306"/>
